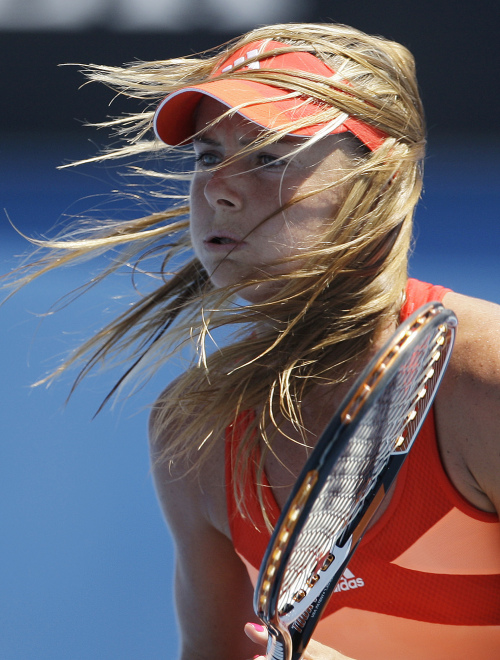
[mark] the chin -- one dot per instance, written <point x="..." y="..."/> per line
<point x="253" y="293"/>
<point x="259" y="293"/>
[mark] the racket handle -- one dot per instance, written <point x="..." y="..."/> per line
<point x="277" y="648"/>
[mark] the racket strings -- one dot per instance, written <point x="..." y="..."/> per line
<point x="340" y="499"/>
<point x="389" y="425"/>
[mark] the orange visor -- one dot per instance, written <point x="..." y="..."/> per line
<point x="271" y="107"/>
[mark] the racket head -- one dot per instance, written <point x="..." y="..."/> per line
<point x="345" y="478"/>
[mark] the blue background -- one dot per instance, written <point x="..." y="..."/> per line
<point x="86" y="560"/>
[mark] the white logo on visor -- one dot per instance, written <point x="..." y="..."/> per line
<point x="241" y="60"/>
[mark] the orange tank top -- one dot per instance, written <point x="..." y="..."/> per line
<point x="424" y="583"/>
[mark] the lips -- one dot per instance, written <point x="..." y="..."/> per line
<point x="223" y="241"/>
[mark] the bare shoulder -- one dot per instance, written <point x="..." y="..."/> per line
<point x="478" y="319"/>
<point x="468" y="403"/>
<point x="195" y="488"/>
<point x="475" y="364"/>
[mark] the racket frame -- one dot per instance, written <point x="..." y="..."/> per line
<point x="289" y="637"/>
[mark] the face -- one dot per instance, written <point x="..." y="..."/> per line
<point x="236" y="227"/>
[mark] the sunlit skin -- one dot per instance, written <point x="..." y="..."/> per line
<point x="231" y="234"/>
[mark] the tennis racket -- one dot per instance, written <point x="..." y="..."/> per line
<point x="346" y="477"/>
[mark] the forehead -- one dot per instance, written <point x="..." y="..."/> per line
<point x="235" y="125"/>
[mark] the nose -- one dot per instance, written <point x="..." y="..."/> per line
<point x="224" y="189"/>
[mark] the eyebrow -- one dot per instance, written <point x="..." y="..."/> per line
<point x="206" y="140"/>
<point x="245" y="142"/>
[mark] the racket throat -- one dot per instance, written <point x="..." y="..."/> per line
<point x="312" y="602"/>
<point x="368" y="515"/>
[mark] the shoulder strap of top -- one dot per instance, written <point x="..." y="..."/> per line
<point x="418" y="293"/>
<point x="249" y="532"/>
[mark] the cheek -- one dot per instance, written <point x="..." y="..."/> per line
<point x="306" y="223"/>
<point x="323" y="206"/>
<point x="196" y="194"/>
<point x="197" y="206"/>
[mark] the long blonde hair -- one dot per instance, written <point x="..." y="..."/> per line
<point x="325" y="315"/>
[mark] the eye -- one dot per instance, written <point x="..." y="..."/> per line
<point x="206" y="159"/>
<point x="269" y="161"/>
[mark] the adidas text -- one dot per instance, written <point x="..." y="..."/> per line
<point x="348" y="581"/>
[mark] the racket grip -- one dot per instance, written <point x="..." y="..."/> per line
<point x="277" y="649"/>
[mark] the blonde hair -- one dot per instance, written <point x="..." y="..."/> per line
<point x="326" y="314"/>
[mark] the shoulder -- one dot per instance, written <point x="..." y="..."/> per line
<point x="478" y="320"/>
<point x="190" y="489"/>
<point x="468" y="403"/>
<point x="475" y="362"/>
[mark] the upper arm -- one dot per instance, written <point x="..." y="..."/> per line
<point x="213" y="592"/>
<point x="213" y="598"/>
<point x="470" y="398"/>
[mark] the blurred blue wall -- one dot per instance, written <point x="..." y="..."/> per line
<point x="86" y="560"/>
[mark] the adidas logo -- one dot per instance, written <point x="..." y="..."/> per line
<point x="348" y="581"/>
<point x="241" y="60"/>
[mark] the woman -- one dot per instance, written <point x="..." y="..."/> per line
<point x="308" y="142"/>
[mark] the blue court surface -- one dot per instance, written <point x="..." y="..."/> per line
<point x="86" y="560"/>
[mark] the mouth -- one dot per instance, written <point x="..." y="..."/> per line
<point x="223" y="241"/>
